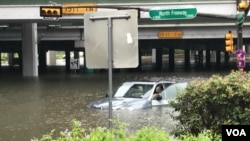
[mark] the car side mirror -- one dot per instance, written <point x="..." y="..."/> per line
<point x="158" y="97"/>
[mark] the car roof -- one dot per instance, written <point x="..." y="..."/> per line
<point x="147" y="82"/>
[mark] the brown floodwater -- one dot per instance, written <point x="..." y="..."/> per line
<point x="31" y="107"/>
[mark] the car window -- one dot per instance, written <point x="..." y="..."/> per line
<point x="148" y="93"/>
<point x="138" y="90"/>
<point x="165" y="85"/>
<point x="171" y="91"/>
<point x="121" y="91"/>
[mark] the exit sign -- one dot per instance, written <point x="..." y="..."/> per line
<point x="173" y="13"/>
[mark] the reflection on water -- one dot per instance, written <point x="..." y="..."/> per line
<point x="31" y="107"/>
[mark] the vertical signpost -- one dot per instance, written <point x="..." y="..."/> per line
<point x="243" y="9"/>
<point x="107" y="45"/>
<point x="74" y="64"/>
<point x="240" y="54"/>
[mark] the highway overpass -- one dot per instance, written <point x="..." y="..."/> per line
<point x="22" y="27"/>
<point x="13" y="16"/>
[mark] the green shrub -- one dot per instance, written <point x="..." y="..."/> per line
<point x="203" y="136"/>
<point x="76" y="134"/>
<point x="118" y="133"/>
<point x="208" y="104"/>
<point x="150" y="133"/>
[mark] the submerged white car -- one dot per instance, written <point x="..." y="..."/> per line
<point x="138" y="95"/>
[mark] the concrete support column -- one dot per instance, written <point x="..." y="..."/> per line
<point x="159" y="59"/>
<point x="200" y="58"/>
<point x="84" y="61"/>
<point x="154" y="55"/>
<point x="29" y="49"/>
<point x="76" y="55"/>
<point x="67" y="60"/>
<point x="213" y="57"/>
<point x="51" y="58"/>
<point x="171" y="58"/>
<point x="139" y="59"/>
<point x="208" y="58"/>
<point x="20" y="54"/>
<point x="0" y="59"/>
<point x="42" y="59"/>
<point x="218" y="58"/>
<point x="247" y="49"/>
<point x="11" y="59"/>
<point x="187" y="59"/>
<point x="226" y="58"/>
<point x="196" y="58"/>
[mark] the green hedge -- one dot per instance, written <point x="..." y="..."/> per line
<point x="118" y="133"/>
<point x="208" y="104"/>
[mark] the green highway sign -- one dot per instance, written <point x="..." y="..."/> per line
<point x="173" y="13"/>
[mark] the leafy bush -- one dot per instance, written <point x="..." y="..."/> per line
<point x="118" y="133"/>
<point x="150" y="133"/>
<point x="208" y="104"/>
<point x="203" y="136"/>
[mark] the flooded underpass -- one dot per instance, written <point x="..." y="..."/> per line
<point x="32" y="107"/>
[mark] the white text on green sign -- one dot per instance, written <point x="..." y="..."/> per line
<point x="173" y="13"/>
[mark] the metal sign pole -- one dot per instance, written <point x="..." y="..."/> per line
<point x="110" y="55"/>
<point x="110" y="67"/>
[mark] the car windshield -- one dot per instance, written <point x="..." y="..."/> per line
<point x="171" y="91"/>
<point x="138" y="90"/>
<point x="120" y="92"/>
<point x="131" y="90"/>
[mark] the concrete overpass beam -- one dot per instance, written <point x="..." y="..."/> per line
<point x="29" y="49"/>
